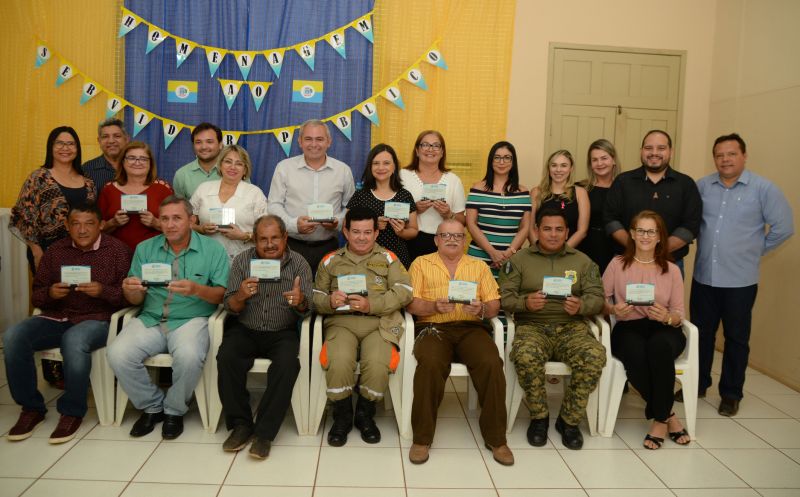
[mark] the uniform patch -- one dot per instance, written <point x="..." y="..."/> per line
<point x="508" y="267"/>
<point x="571" y="275"/>
<point x="378" y="280"/>
<point x="377" y="265"/>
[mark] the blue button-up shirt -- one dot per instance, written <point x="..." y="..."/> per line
<point x="732" y="234"/>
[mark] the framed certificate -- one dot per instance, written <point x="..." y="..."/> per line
<point x="643" y="294"/>
<point x="462" y="292"/>
<point x="555" y="287"/>
<point x="434" y="191"/>
<point x="134" y="204"/>
<point x="75" y="275"/>
<point x="397" y="210"/>
<point x="156" y="274"/>
<point x="321" y="213"/>
<point x="223" y="217"/>
<point x="265" y="269"/>
<point x="353" y="284"/>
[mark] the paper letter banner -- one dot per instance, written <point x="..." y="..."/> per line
<point x="42" y="55"/>
<point x="306" y="51"/>
<point x="343" y="121"/>
<point x="182" y="49"/>
<point x="129" y="21"/>
<point x="245" y="61"/>
<point x="258" y="90"/>
<point x="364" y="26"/>
<point x="90" y="89"/>
<point x="214" y="57"/>
<point x="307" y="91"/>
<point x="230" y="137"/>
<point x="435" y="57"/>
<point x="369" y="110"/>
<point x="336" y="40"/>
<point x="230" y="89"/>
<point x="182" y="92"/>
<point x="113" y="105"/>
<point x="141" y="118"/>
<point x="171" y="130"/>
<point x="65" y="72"/>
<point x="414" y="76"/>
<point x="275" y="59"/>
<point x="284" y="137"/>
<point x="392" y="94"/>
<point x="154" y="38"/>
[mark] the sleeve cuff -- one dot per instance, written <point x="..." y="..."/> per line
<point x="613" y="227"/>
<point x="684" y="234"/>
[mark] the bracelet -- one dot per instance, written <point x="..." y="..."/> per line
<point x="483" y="310"/>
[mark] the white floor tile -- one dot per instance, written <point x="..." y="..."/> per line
<point x="389" y="435"/>
<point x="136" y="489"/>
<point x="360" y="467"/>
<point x="8" y="418"/>
<point x="75" y="488"/>
<point x="451" y="433"/>
<point x="790" y="404"/>
<point x="628" y="492"/>
<point x="764" y="385"/>
<point x="451" y="492"/>
<point x="285" y="466"/>
<point x="51" y="421"/>
<point x="706" y="408"/>
<point x="780" y="433"/>
<point x="761" y="468"/>
<point x="632" y="432"/>
<point x="102" y="460"/>
<point x="779" y="492"/>
<point x="715" y="492"/>
<point x="610" y="469"/>
<point x="450" y="407"/>
<point x="29" y="458"/>
<point x="693" y="469"/>
<point x="726" y="433"/>
<point x="358" y="492"/>
<point x="750" y="407"/>
<point x="12" y="487"/>
<point x="518" y="438"/>
<point x="448" y="468"/>
<point x="459" y="383"/>
<point x="793" y="453"/>
<point x="193" y="431"/>
<point x="545" y="492"/>
<point x="531" y="469"/>
<point x="122" y="432"/>
<point x="288" y="435"/>
<point x="263" y="491"/>
<point x="205" y="464"/>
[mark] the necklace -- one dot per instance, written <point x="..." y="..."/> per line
<point x="643" y="262"/>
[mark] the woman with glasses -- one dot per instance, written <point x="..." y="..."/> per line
<point x="38" y="218"/>
<point x="126" y="214"/>
<point x="602" y="166"/>
<point x="557" y="190"/>
<point x="227" y="208"/>
<point x="498" y="209"/>
<point x="434" y="203"/>
<point x="382" y="184"/>
<point x="645" y="294"/>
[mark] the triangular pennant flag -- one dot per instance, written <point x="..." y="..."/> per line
<point x="230" y="89"/>
<point x="230" y="137"/>
<point x="42" y="55"/>
<point x="114" y="104"/>
<point x="364" y="26"/>
<point x="284" y="137"/>
<point x="344" y="121"/>
<point x="336" y="40"/>
<point x="415" y="77"/>
<point x="182" y="49"/>
<point x="275" y="59"/>
<point x="141" y="118"/>
<point x="369" y="110"/>
<point x="171" y="130"/>
<point x="65" y="72"/>
<point x="129" y="21"/>
<point x="214" y="56"/>
<point x="392" y="94"/>
<point x="90" y="90"/>
<point x="258" y="90"/>
<point x="154" y="38"/>
<point x="245" y="61"/>
<point x="306" y="52"/>
<point x="434" y="56"/>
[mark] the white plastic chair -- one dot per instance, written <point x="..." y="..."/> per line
<point x="515" y="394"/>
<point x="164" y="361"/>
<point x="686" y="371"/>
<point x="318" y="395"/>
<point x="299" y="393"/>
<point x="456" y="369"/>
<point x="101" y="376"/>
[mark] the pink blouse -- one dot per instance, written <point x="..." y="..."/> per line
<point x="668" y="286"/>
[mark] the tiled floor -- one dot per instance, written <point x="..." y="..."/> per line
<point x="755" y="453"/>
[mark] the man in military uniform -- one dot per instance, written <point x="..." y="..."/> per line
<point x="362" y="287"/>
<point x="551" y="327"/>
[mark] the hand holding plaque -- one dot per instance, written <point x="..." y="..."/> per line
<point x="555" y="287"/>
<point x="397" y="210"/>
<point x="265" y="269"/>
<point x="462" y="292"/>
<point x="156" y="274"/>
<point x="434" y="191"/>
<point x="75" y="275"/>
<point x="223" y="217"/>
<point x="353" y="284"/>
<point x="133" y="204"/>
<point x="640" y="294"/>
<point x="320" y="213"/>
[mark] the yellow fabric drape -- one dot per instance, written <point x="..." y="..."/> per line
<point x="468" y="102"/>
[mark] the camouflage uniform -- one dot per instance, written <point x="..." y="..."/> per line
<point x="377" y="334"/>
<point x="551" y="333"/>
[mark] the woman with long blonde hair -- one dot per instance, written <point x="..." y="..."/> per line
<point x="602" y="166"/>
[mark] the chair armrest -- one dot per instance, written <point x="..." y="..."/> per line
<point x="497" y="334"/>
<point x="118" y="320"/>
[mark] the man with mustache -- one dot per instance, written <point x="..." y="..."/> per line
<point x="112" y="137"/>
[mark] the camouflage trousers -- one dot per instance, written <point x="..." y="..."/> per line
<point x="571" y="343"/>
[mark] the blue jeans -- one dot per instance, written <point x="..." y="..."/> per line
<point x="188" y="345"/>
<point x="77" y="341"/>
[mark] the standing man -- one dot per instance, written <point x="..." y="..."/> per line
<point x="657" y="187"/>
<point x="550" y="326"/>
<point x="113" y="138"/>
<point x="174" y="317"/>
<point x="738" y="205"/>
<point x="361" y="287"/>
<point x="267" y="314"/>
<point x="311" y="178"/>
<point x="207" y="143"/>
<point x="455" y="332"/>
<point x="74" y="318"/>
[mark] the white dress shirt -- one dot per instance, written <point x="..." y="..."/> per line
<point x="429" y="220"/>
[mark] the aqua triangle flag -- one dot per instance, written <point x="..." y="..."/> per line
<point x="364" y="26"/>
<point x="230" y="90"/>
<point x="214" y="57"/>
<point x="129" y="22"/>
<point x="435" y="57"/>
<point x="392" y="94"/>
<point x="258" y="91"/>
<point x="171" y="130"/>
<point x="415" y="77"/>
<point x="245" y="61"/>
<point x="369" y="110"/>
<point x="336" y="40"/>
<point x="154" y="38"/>
<point x="89" y="91"/>
<point x="275" y="59"/>
<point x="284" y="137"/>
<point x="42" y="55"/>
<point x="141" y="118"/>
<point x="65" y="72"/>
<point x="113" y="105"/>
<point x="343" y="121"/>
<point x="306" y="52"/>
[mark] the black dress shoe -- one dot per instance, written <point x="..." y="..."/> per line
<point x="728" y="406"/>
<point x="172" y="427"/>
<point x="537" y="432"/>
<point x="571" y="435"/>
<point x="146" y="422"/>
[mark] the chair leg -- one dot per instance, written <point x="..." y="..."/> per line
<point x="121" y="404"/>
<point x="514" y="396"/>
<point x="617" y="384"/>
<point x="97" y="378"/>
<point x="689" y="382"/>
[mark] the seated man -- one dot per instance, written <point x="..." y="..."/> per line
<point x="267" y="313"/>
<point x="74" y="317"/>
<point x="455" y="332"/>
<point x="550" y="324"/>
<point x="174" y="317"/>
<point x="364" y="287"/>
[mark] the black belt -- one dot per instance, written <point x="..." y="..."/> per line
<point x="313" y="243"/>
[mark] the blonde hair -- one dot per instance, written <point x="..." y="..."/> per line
<point x="607" y="147"/>
<point x="546" y="184"/>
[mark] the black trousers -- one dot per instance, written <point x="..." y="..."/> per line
<point x="313" y="252"/>
<point x="423" y="244"/>
<point x="240" y="347"/>
<point x="648" y="350"/>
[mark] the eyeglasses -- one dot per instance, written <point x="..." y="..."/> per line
<point x="133" y="159"/>
<point x="60" y="144"/>
<point x="451" y="236"/>
<point x="231" y="162"/>
<point x="645" y="233"/>
<point x="430" y="146"/>
<point x="502" y="158"/>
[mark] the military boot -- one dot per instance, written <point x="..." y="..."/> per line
<point x="365" y="420"/>
<point x="342" y="422"/>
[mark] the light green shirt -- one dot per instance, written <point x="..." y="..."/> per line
<point x="189" y="177"/>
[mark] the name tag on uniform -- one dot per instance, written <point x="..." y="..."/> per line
<point x="462" y="292"/>
<point x="397" y="210"/>
<point x="156" y="274"/>
<point x="321" y="213"/>
<point x="640" y="294"/>
<point x="433" y="191"/>
<point x="75" y="275"/>
<point x="353" y="284"/>
<point x="265" y="269"/>
<point x="134" y="204"/>
<point x="223" y="217"/>
<point x="556" y="287"/>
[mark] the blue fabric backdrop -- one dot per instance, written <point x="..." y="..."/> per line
<point x="249" y="25"/>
